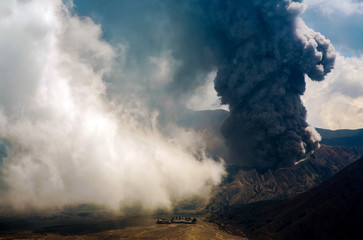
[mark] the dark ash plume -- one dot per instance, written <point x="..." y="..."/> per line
<point x="262" y="51"/>
<point x="263" y="80"/>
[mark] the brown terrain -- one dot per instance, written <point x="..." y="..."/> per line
<point x="272" y="204"/>
<point x="333" y="210"/>
<point x="247" y="186"/>
<point x="117" y="228"/>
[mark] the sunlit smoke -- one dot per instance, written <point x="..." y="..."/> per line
<point x="69" y="143"/>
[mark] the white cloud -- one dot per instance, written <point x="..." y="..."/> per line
<point x="69" y="143"/>
<point x="337" y="102"/>
<point x="328" y="7"/>
<point x="205" y="97"/>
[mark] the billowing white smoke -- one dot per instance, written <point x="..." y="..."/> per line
<point x="69" y="143"/>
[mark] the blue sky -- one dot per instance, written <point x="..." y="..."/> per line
<point x="337" y="102"/>
<point x="340" y="21"/>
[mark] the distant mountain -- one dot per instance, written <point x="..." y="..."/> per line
<point x="208" y="122"/>
<point x="341" y="137"/>
<point x="207" y="119"/>
<point x="333" y="210"/>
<point x="212" y="120"/>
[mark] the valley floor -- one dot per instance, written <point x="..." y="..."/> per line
<point x="147" y="230"/>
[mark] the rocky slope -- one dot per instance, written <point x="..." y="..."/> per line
<point x="332" y="210"/>
<point x="248" y="186"/>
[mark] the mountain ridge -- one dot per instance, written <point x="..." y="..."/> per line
<point x="248" y="186"/>
<point x="331" y="210"/>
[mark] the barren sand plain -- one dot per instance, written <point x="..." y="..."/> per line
<point x="146" y="229"/>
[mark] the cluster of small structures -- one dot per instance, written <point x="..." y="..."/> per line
<point x="180" y="220"/>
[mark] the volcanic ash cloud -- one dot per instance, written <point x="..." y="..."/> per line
<point x="263" y="80"/>
<point x="262" y="51"/>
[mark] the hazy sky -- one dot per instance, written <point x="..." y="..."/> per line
<point x="337" y="102"/>
<point x="92" y="91"/>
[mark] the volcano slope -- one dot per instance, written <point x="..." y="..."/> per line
<point x="332" y="210"/>
<point x="249" y="185"/>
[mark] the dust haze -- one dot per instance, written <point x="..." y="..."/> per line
<point x="67" y="142"/>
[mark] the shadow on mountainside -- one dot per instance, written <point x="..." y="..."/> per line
<point x="332" y="210"/>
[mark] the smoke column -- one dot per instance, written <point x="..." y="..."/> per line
<point x="263" y="80"/>
<point x="262" y="51"/>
